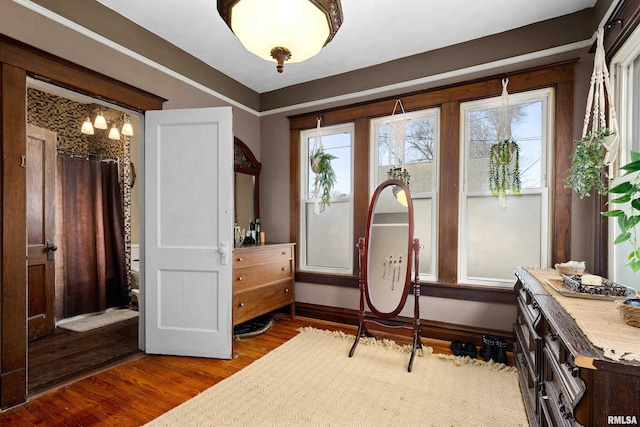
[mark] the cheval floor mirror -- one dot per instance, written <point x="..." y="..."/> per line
<point x="386" y="255"/>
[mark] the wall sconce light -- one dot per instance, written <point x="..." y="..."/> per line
<point x="127" y="129"/>
<point x="114" y="133"/>
<point x="100" y="122"/>
<point x="282" y="30"/>
<point x="87" y="127"/>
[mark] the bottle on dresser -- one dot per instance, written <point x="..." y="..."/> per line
<point x="257" y="238"/>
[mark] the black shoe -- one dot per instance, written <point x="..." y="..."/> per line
<point x="488" y="348"/>
<point x="457" y="348"/>
<point x="501" y="353"/>
<point x="471" y="350"/>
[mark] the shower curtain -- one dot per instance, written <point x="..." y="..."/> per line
<point x="90" y="263"/>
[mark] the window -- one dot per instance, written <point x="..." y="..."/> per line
<point x="421" y="161"/>
<point x="326" y="242"/>
<point x="492" y="239"/>
<point x="625" y="72"/>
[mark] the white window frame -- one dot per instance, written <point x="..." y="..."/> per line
<point x="624" y="79"/>
<point x="546" y="96"/>
<point x="305" y="200"/>
<point x="433" y="195"/>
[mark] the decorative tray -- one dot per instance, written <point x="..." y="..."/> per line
<point x="559" y="286"/>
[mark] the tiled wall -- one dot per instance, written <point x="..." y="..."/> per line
<point x="65" y="118"/>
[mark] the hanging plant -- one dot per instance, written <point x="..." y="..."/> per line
<point x="504" y="168"/>
<point x="325" y="177"/>
<point x="399" y="173"/>
<point x="628" y="192"/>
<point x="588" y="162"/>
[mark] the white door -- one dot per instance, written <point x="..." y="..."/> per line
<point x="188" y="229"/>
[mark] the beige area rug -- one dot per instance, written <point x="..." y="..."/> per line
<point x="310" y="380"/>
<point x="94" y="321"/>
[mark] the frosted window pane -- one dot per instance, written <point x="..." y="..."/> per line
<point x="500" y="239"/>
<point x="328" y="236"/>
<point x="422" y="217"/>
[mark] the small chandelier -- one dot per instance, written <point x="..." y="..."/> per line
<point x="282" y="30"/>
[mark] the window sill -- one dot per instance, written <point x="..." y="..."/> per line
<point x="502" y="295"/>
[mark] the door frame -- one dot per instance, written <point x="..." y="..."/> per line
<point x="17" y="62"/>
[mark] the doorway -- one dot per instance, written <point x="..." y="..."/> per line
<point x="78" y="293"/>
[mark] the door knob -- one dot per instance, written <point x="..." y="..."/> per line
<point x="51" y="248"/>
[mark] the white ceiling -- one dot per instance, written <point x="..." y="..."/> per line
<point x="373" y="32"/>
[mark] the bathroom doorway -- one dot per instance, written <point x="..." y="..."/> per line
<point x="57" y="352"/>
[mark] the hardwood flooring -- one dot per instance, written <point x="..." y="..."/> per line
<point x="137" y="391"/>
<point x="65" y="355"/>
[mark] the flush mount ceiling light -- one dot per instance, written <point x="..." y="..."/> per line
<point x="282" y="30"/>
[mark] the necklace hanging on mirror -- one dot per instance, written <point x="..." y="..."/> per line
<point x="399" y="266"/>
<point x="386" y="264"/>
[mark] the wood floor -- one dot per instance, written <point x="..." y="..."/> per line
<point x="137" y="391"/>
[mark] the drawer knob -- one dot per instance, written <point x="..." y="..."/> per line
<point x="286" y="291"/>
<point x="241" y="304"/>
<point x="284" y="268"/>
<point x="240" y="279"/>
<point x="239" y="259"/>
<point x="284" y="253"/>
<point x="573" y="370"/>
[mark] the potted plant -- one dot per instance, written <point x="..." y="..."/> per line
<point x="325" y="176"/>
<point x="628" y="192"/>
<point x="504" y="168"/>
<point x="588" y="162"/>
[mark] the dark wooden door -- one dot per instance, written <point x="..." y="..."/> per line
<point x="41" y="161"/>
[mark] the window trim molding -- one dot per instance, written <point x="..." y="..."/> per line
<point x="558" y="76"/>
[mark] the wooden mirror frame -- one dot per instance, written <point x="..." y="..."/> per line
<point x="245" y="162"/>
<point x="413" y="249"/>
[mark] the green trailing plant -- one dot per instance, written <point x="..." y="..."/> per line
<point x="628" y="192"/>
<point x="325" y="175"/>
<point x="400" y="174"/>
<point x="504" y="168"/>
<point x="588" y="163"/>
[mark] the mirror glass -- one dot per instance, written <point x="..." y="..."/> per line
<point x="246" y="185"/>
<point x="389" y="242"/>
<point x="244" y="189"/>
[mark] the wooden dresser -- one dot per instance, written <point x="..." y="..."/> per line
<point x="565" y="380"/>
<point x="263" y="280"/>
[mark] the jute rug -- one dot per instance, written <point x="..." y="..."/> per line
<point x="310" y="380"/>
<point x="94" y="321"/>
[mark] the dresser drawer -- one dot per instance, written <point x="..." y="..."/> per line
<point x="252" y="276"/>
<point x="251" y="303"/>
<point x="261" y="255"/>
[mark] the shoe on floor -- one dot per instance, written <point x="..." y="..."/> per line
<point x="457" y="348"/>
<point x="471" y="350"/>
<point x="501" y="350"/>
<point x="488" y="348"/>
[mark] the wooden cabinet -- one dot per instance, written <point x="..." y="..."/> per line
<point x="263" y="280"/>
<point x="565" y="380"/>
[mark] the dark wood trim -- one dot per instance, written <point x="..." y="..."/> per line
<point x="49" y="68"/>
<point x="428" y="328"/>
<point x="558" y="76"/>
<point x="13" y="292"/>
<point x="360" y="185"/>
<point x="449" y="193"/>
<point x="18" y="61"/>
<point x="561" y="196"/>
<point x="623" y="21"/>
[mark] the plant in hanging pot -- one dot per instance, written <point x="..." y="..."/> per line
<point x="504" y="168"/>
<point x="588" y="162"/>
<point x="399" y="173"/>
<point x="325" y="177"/>
<point x="628" y="192"/>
